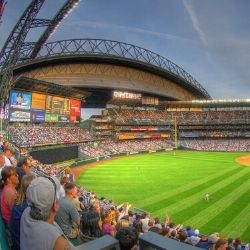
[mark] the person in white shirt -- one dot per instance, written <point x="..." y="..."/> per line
<point x="144" y="222"/>
<point x="7" y="155"/>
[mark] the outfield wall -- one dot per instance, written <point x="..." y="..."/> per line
<point x="52" y="155"/>
<point x="85" y="162"/>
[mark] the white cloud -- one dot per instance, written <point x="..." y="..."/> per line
<point x="195" y="22"/>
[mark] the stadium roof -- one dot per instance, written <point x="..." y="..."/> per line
<point x="33" y="85"/>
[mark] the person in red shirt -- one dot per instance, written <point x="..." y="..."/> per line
<point x="9" y="193"/>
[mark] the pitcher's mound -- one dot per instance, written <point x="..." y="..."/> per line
<point x="243" y="160"/>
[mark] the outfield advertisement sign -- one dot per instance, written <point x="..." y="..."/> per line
<point x="51" y="118"/>
<point x="38" y="101"/>
<point x="75" y="111"/>
<point x="63" y="118"/>
<point x="19" y="116"/>
<point x="37" y="116"/>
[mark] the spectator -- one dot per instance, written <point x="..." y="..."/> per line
<point x="64" y="181"/>
<point x="77" y="203"/>
<point x="124" y="222"/>
<point x="23" y="168"/>
<point x="183" y="236"/>
<point x="212" y="239"/>
<point x="138" y="227"/>
<point x="237" y="243"/>
<point x="91" y="223"/>
<point x="158" y="223"/>
<point x="7" y="156"/>
<point x="230" y="244"/>
<point x="127" y="238"/>
<point x="145" y="221"/>
<point x="221" y="244"/>
<point x="1" y="162"/>
<point x="194" y="239"/>
<point x="17" y="211"/>
<point x="1" y="143"/>
<point x="5" y="145"/>
<point x="189" y="230"/>
<point x="37" y="222"/>
<point x="9" y="194"/>
<point x="107" y="227"/>
<point x="67" y="217"/>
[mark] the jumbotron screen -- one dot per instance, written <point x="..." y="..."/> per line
<point x="39" y="108"/>
<point x="57" y="105"/>
<point x="20" y="100"/>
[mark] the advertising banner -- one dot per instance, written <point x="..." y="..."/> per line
<point x="75" y="110"/>
<point x="63" y="118"/>
<point x="37" y="116"/>
<point x="38" y="101"/>
<point x="19" y="116"/>
<point x="51" y="117"/>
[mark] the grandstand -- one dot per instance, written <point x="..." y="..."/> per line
<point x="149" y="107"/>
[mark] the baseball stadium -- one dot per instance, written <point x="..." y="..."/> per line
<point x="102" y="140"/>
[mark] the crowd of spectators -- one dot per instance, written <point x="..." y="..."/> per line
<point x="128" y="116"/>
<point x="108" y="147"/>
<point x="213" y="133"/>
<point x="34" y="135"/>
<point x="237" y="145"/>
<point x="29" y="204"/>
<point x="131" y="116"/>
<point x="211" y="117"/>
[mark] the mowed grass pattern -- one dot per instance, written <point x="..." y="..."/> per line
<point x="176" y="183"/>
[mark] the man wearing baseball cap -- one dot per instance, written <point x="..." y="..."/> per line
<point x="37" y="223"/>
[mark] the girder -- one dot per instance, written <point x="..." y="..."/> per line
<point x="11" y="49"/>
<point x="9" y="52"/>
<point x="115" y="49"/>
<point x="40" y="23"/>
<point x="16" y="47"/>
<point x="52" y="26"/>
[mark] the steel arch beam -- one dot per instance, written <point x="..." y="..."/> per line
<point x="115" y="50"/>
<point x="19" y="33"/>
<point x="16" y="47"/>
<point x="52" y="26"/>
<point x="11" y="49"/>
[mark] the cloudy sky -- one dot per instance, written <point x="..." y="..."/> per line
<point x="210" y="39"/>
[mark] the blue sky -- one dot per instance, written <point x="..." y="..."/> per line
<point x="210" y="39"/>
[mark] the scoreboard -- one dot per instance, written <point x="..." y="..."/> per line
<point x="39" y="108"/>
<point x="57" y="105"/>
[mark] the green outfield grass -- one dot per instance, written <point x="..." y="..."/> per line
<point x="176" y="183"/>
